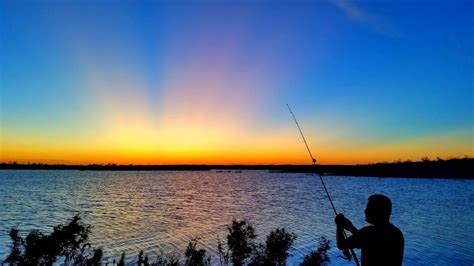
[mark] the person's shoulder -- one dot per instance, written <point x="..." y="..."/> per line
<point x="396" y="231"/>
<point x="368" y="229"/>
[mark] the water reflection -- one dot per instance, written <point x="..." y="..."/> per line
<point x="162" y="211"/>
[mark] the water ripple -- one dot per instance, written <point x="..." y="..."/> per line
<point x="159" y="212"/>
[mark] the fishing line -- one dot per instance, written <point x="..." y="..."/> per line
<point x="313" y="160"/>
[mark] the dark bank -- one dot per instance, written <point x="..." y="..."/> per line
<point x="426" y="168"/>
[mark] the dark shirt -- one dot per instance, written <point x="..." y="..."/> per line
<point x="380" y="245"/>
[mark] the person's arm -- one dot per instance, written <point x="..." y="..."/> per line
<point x="342" y="223"/>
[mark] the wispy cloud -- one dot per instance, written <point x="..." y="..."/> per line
<point x="353" y="11"/>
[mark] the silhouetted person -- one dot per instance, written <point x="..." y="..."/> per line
<point x="381" y="243"/>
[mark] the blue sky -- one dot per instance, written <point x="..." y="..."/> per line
<point x="369" y="80"/>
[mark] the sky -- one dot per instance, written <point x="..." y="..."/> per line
<point x="207" y="82"/>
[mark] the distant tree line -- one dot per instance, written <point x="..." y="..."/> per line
<point x="69" y="245"/>
<point x="453" y="168"/>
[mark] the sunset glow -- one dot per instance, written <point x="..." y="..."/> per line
<point x="207" y="83"/>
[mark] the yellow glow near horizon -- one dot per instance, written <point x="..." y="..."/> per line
<point x="187" y="145"/>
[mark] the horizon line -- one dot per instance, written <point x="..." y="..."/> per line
<point x="423" y="159"/>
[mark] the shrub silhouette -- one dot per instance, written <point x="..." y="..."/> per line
<point x="240" y="241"/>
<point x="69" y="245"/>
<point x="166" y="260"/>
<point x="277" y="245"/>
<point x="275" y="250"/>
<point x="195" y="257"/>
<point x="15" y="256"/>
<point x="318" y="256"/>
<point x="140" y="260"/>
<point x="161" y="260"/>
<point x="67" y="241"/>
<point x="122" y="260"/>
<point x="223" y="254"/>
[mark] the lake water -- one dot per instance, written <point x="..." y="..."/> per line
<point x="161" y="211"/>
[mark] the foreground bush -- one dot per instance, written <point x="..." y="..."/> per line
<point x="240" y="241"/>
<point x="275" y="250"/>
<point x="195" y="256"/>
<point x="69" y="242"/>
<point x="319" y="256"/>
<point x="69" y="245"/>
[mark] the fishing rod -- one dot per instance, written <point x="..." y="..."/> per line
<point x="313" y="160"/>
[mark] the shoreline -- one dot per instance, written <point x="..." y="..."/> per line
<point x="445" y="169"/>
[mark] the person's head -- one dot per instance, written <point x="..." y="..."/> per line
<point x="378" y="209"/>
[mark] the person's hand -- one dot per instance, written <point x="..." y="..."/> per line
<point x="343" y="222"/>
